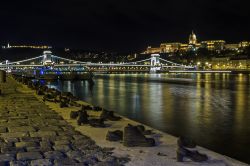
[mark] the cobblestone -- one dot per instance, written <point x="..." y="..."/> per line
<point x="18" y="163"/>
<point x="33" y="134"/>
<point x="62" y="148"/>
<point x="43" y="134"/>
<point x="26" y="144"/>
<point x="64" y="161"/>
<point x="14" y="135"/>
<point x="28" y="156"/>
<point x="3" y="129"/>
<point x="54" y="155"/>
<point x="7" y="157"/>
<point x="40" y="162"/>
<point x="21" y="129"/>
<point x="11" y="150"/>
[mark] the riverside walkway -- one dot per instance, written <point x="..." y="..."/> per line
<point x="33" y="134"/>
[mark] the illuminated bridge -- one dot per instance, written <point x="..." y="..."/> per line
<point x="153" y="64"/>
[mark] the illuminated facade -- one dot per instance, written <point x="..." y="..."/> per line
<point x="227" y="63"/>
<point x="233" y="47"/>
<point x="193" y="45"/>
<point x="170" y="47"/>
<point x="216" y="45"/>
<point x="153" y="50"/>
<point x="244" y="44"/>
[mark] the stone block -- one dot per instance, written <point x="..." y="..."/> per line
<point x="29" y="156"/>
<point x="26" y="144"/>
<point x="62" y="142"/>
<point x="7" y="157"/>
<point x="54" y="155"/>
<point x="21" y="129"/>
<point x="11" y="150"/>
<point x="3" y="129"/>
<point x="64" y="161"/>
<point x="14" y="135"/>
<point x="50" y="128"/>
<point x="63" y="148"/>
<point x="19" y="163"/>
<point x="41" y="162"/>
<point x="43" y="134"/>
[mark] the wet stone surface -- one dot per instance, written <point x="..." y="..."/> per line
<point x="32" y="134"/>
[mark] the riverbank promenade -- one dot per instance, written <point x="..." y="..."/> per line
<point x="33" y="132"/>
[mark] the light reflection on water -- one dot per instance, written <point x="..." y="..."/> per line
<point x="213" y="109"/>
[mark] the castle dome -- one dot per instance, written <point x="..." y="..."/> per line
<point x="192" y="38"/>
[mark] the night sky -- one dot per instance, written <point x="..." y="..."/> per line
<point x="121" y="25"/>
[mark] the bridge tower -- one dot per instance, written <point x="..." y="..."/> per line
<point x="47" y="58"/>
<point x="155" y="63"/>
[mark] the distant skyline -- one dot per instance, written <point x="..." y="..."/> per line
<point x="121" y="26"/>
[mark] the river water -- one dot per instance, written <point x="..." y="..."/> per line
<point x="213" y="109"/>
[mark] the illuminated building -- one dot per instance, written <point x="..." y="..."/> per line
<point x="184" y="48"/>
<point x="152" y="50"/>
<point x="170" y="47"/>
<point x="193" y="45"/>
<point x="233" y="47"/>
<point x="213" y="45"/>
<point x="227" y="63"/>
<point x="220" y="63"/>
<point x="244" y="44"/>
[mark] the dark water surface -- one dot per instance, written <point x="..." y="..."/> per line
<point x="213" y="109"/>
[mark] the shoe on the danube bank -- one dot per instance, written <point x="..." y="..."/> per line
<point x="186" y="142"/>
<point x="97" y="122"/>
<point x="82" y="117"/>
<point x="109" y="115"/>
<point x="114" y="135"/>
<point x="63" y="104"/>
<point x="193" y="155"/>
<point x="74" y="114"/>
<point x="97" y="108"/>
<point x="133" y="137"/>
<point x="143" y="130"/>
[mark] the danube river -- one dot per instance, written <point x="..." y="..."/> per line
<point x="213" y="109"/>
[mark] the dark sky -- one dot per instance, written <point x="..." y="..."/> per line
<point x="121" y="25"/>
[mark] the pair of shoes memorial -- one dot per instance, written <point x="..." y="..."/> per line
<point x="116" y="135"/>
<point x="183" y="151"/>
<point x="83" y="118"/>
<point x="109" y="115"/>
<point x="133" y="136"/>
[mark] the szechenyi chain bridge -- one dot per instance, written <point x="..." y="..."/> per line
<point x="153" y="64"/>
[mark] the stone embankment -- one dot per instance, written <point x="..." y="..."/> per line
<point x="33" y="134"/>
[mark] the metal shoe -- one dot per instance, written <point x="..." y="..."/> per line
<point x="186" y="142"/>
<point x="133" y="137"/>
<point x="193" y="155"/>
<point x="114" y="135"/>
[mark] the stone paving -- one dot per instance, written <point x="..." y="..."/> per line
<point x="33" y="134"/>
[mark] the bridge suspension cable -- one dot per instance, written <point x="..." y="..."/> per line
<point x="26" y="60"/>
<point x="170" y="62"/>
<point x="138" y="61"/>
<point x="53" y="56"/>
<point x="176" y="63"/>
